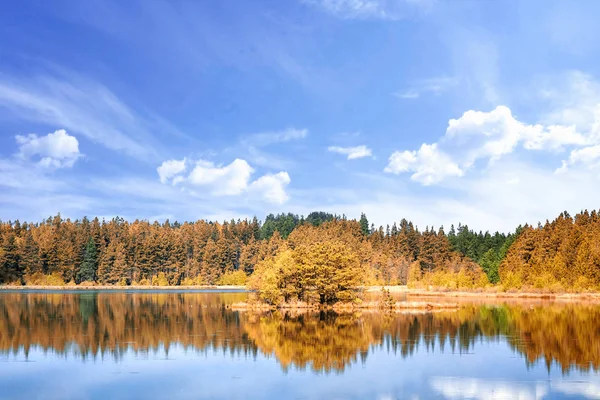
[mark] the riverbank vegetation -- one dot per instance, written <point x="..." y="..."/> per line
<point x="322" y="258"/>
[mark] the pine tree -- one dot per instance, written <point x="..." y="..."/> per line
<point x="87" y="271"/>
<point x="9" y="260"/>
<point x="30" y="262"/>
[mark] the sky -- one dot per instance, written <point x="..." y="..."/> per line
<point x="480" y="112"/>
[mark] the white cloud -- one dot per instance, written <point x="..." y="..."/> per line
<point x="573" y="99"/>
<point x="484" y="134"/>
<point x="429" y="165"/>
<point x="496" y="133"/>
<point x="225" y="180"/>
<point x="352" y="152"/>
<point x="371" y="9"/>
<point x="587" y="157"/>
<point x="231" y="179"/>
<point x="56" y="150"/>
<point x="171" y="168"/>
<point x="493" y="134"/>
<point x="252" y="147"/>
<point x="272" y="187"/>
<point x="83" y="107"/>
<point x="488" y="136"/>
<point x="409" y="94"/>
<point x="435" y="86"/>
<point x="267" y="138"/>
<point x="354" y="8"/>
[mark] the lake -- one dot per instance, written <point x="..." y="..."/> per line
<point x="190" y="345"/>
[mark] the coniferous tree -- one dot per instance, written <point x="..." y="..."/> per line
<point x="87" y="272"/>
<point x="364" y="224"/>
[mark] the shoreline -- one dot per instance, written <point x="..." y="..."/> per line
<point x="484" y="294"/>
<point x="403" y="290"/>
<point x="123" y="288"/>
<point x="398" y="306"/>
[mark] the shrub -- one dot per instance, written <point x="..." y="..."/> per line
<point x="160" y="280"/>
<point x="511" y="280"/>
<point x="39" y="279"/>
<point x="233" y="278"/>
<point x="188" y="282"/>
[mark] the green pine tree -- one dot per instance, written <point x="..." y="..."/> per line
<point x="87" y="272"/>
<point x="364" y="224"/>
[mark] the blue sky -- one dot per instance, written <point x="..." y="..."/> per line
<point x="437" y="111"/>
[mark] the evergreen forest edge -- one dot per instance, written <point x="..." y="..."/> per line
<point x="322" y="257"/>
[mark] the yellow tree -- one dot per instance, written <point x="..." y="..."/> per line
<point x="329" y="271"/>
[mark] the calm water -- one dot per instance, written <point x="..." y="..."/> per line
<point x="115" y="345"/>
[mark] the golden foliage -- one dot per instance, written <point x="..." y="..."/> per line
<point x="160" y="280"/>
<point x="321" y="272"/>
<point x="39" y="279"/>
<point x="233" y="278"/>
<point x="562" y="255"/>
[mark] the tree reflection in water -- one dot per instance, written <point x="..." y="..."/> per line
<point x="90" y="325"/>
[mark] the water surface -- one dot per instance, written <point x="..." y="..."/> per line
<point x="165" y="345"/>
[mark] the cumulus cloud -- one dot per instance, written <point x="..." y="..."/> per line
<point x="170" y="169"/>
<point x="493" y="134"/>
<point x="587" y="157"/>
<point x="55" y="150"/>
<point x="231" y="179"/>
<point x="272" y="187"/>
<point x="352" y="153"/>
<point x="225" y="180"/>
<point x="429" y="165"/>
<point x="490" y="135"/>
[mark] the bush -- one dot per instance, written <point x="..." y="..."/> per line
<point x="142" y="282"/>
<point x="414" y="275"/>
<point x="160" y="280"/>
<point x="582" y="284"/>
<point x="233" y="278"/>
<point x="39" y="279"/>
<point x="511" y="280"/>
<point x="188" y="282"/>
<point x="465" y="278"/>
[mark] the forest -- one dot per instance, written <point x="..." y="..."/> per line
<point x="322" y="257"/>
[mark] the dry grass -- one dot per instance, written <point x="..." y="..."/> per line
<point x="125" y="288"/>
<point x="347" y="307"/>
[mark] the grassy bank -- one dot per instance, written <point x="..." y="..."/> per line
<point x="124" y="288"/>
<point x="492" y="293"/>
<point x="344" y="307"/>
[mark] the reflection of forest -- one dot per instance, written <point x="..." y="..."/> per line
<point x="89" y="324"/>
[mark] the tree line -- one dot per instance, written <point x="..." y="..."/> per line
<point x="327" y="256"/>
<point x="61" y="251"/>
